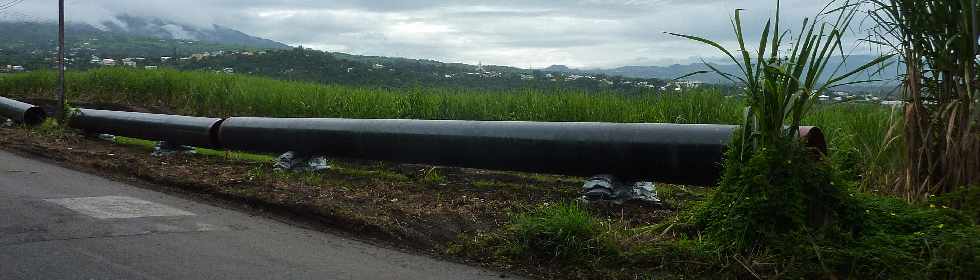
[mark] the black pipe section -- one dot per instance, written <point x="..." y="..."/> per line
<point x="178" y="130"/>
<point x="22" y="112"/>
<point x="669" y="153"/>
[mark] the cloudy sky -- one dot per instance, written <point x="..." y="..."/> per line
<point x="525" y="33"/>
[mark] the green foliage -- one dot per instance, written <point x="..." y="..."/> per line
<point x="851" y="128"/>
<point x="899" y="240"/>
<point x="51" y="127"/>
<point x="965" y="198"/>
<point x="781" y="193"/>
<point x="432" y="176"/>
<point x="864" y="141"/>
<point x="210" y="94"/>
<point x="780" y="89"/>
<point x="565" y="233"/>
<point x="938" y="43"/>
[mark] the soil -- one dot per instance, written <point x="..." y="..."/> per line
<point x="394" y="204"/>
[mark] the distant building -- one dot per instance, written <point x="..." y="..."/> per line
<point x="893" y="103"/>
<point x="17" y="68"/>
<point x="199" y="56"/>
<point x="229" y="70"/>
<point x="150" y="67"/>
<point x="165" y="58"/>
<point x="129" y="63"/>
<point x="687" y="84"/>
<point x="108" y="62"/>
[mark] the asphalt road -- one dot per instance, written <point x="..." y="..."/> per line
<point x="57" y="223"/>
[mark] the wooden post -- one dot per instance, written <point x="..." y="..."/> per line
<point x="61" y="114"/>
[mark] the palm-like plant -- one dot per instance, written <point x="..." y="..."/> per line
<point x="937" y="40"/>
<point x="780" y="88"/>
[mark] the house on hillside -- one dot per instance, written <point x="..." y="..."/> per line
<point x="12" y="68"/>
<point x="129" y="62"/>
<point x="199" y="56"/>
<point x="108" y="62"/>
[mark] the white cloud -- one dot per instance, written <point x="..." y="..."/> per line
<point x="581" y="33"/>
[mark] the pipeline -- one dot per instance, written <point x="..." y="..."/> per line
<point x="22" y="112"/>
<point x="668" y="153"/>
<point x="179" y="130"/>
<point x="688" y="154"/>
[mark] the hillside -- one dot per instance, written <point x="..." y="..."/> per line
<point x="336" y="68"/>
<point x="154" y="43"/>
<point x="164" y="29"/>
<point x="34" y="44"/>
<point x="678" y="70"/>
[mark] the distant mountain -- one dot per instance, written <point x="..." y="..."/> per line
<point x="677" y="70"/>
<point x="165" y="29"/>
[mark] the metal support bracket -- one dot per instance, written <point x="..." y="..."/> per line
<point x="293" y="161"/>
<point x="609" y="188"/>
<point x="165" y="148"/>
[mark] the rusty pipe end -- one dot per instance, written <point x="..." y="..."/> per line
<point x="814" y="139"/>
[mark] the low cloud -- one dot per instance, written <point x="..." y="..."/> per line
<point x="536" y="33"/>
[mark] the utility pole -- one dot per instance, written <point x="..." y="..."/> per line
<point x="61" y="62"/>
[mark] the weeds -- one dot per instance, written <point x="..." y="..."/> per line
<point x="850" y="128"/>
<point x="937" y="40"/>
<point x="431" y="176"/>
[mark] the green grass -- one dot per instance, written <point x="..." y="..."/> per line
<point x="150" y="145"/>
<point x="936" y="242"/>
<point x="219" y="95"/>
<point x="851" y="128"/>
<point x="892" y="240"/>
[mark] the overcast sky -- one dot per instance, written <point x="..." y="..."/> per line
<point x="526" y="33"/>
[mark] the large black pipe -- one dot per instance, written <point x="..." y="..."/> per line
<point x="180" y="130"/>
<point x="669" y="153"/>
<point x="22" y="112"/>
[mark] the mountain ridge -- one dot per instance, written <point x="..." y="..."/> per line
<point x="675" y="71"/>
<point x="165" y="29"/>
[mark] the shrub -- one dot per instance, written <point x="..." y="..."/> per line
<point x="565" y="233"/>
